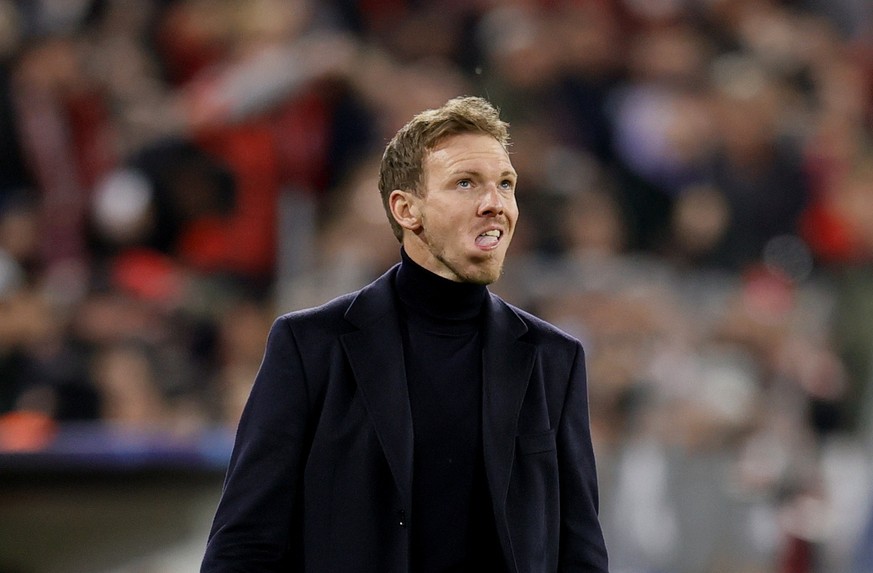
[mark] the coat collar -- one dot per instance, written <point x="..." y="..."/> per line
<point x="375" y="353"/>
<point x="507" y="364"/>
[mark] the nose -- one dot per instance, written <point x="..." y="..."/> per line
<point x="492" y="202"/>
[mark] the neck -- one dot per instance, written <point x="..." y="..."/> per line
<point x="435" y="296"/>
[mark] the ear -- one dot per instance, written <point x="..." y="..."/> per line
<point x="405" y="210"/>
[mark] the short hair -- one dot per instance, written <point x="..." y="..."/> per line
<point x="402" y="162"/>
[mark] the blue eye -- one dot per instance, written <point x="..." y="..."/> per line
<point x="464" y="183"/>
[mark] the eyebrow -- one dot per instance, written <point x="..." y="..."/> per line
<point x="506" y="173"/>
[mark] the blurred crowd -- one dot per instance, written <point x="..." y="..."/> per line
<point x="696" y="190"/>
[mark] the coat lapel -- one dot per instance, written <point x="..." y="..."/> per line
<point x="375" y="353"/>
<point x="507" y="364"/>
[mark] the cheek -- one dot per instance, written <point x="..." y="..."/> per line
<point x="512" y="210"/>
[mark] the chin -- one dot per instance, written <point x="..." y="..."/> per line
<point x="484" y="275"/>
<point x="474" y="268"/>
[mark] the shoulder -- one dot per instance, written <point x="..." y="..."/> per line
<point x="345" y="311"/>
<point x="540" y="331"/>
<point x="316" y="325"/>
<point x="332" y="310"/>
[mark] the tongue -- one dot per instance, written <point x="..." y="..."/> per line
<point x="486" y="241"/>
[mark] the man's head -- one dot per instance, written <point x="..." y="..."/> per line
<point x="448" y="187"/>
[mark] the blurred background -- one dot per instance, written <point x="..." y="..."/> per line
<point x="696" y="188"/>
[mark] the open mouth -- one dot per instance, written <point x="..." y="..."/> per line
<point x="489" y="239"/>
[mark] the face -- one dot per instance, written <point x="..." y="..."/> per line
<point x="462" y="223"/>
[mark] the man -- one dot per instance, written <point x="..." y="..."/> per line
<point x="421" y="424"/>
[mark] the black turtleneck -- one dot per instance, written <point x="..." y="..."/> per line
<point x="452" y="524"/>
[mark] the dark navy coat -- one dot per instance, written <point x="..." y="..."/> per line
<point x="320" y="478"/>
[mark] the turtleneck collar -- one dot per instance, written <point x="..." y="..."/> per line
<point x="437" y="297"/>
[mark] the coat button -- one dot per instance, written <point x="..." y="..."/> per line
<point x="401" y="518"/>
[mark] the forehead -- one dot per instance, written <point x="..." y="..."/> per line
<point x="468" y="150"/>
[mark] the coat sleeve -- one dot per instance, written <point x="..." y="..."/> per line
<point x="582" y="548"/>
<point x="257" y="525"/>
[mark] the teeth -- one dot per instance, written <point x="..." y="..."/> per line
<point x="493" y="233"/>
